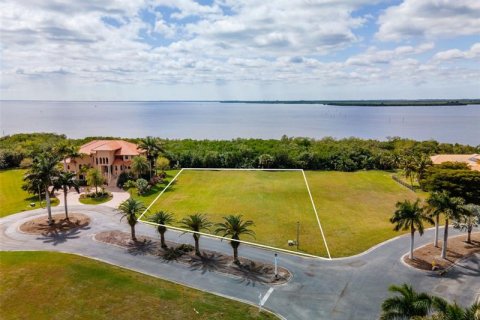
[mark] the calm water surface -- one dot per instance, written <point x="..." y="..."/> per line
<point x="214" y="120"/>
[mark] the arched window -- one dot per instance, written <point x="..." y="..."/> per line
<point x="107" y="160"/>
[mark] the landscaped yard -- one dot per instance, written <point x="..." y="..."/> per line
<point x="78" y="287"/>
<point x="99" y="200"/>
<point x="12" y="198"/>
<point x="354" y="208"/>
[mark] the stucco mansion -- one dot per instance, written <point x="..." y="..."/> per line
<point x="111" y="157"/>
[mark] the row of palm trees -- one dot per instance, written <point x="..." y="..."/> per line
<point x="233" y="226"/>
<point x="411" y="216"/>
<point x="409" y="304"/>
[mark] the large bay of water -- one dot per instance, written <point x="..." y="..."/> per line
<point x="214" y="120"/>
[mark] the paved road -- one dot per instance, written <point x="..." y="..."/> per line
<point x="350" y="288"/>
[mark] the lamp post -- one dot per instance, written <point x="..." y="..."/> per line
<point x="276" y="265"/>
<point x="298" y="233"/>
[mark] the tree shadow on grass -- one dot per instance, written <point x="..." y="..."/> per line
<point x="252" y="273"/>
<point x="208" y="262"/>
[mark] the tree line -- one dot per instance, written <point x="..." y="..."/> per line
<point x="348" y="154"/>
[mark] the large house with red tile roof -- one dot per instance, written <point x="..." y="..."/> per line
<point x="473" y="160"/>
<point x="111" y="157"/>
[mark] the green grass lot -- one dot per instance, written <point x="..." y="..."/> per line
<point x="12" y="198"/>
<point x="95" y="200"/>
<point x="275" y="201"/>
<point x="47" y="285"/>
<point x="354" y="208"/>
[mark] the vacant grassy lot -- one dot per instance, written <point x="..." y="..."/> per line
<point x="12" y="198"/>
<point x="47" y="285"/>
<point x="275" y="201"/>
<point x="355" y="207"/>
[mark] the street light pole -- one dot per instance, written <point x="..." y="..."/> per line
<point x="276" y="266"/>
<point x="298" y="233"/>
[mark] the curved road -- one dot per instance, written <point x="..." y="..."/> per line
<point x="348" y="288"/>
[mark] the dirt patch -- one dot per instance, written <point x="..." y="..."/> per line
<point x="60" y="224"/>
<point x="428" y="256"/>
<point x="247" y="271"/>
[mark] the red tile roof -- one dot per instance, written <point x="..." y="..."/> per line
<point x="121" y="148"/>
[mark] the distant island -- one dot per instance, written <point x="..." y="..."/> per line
<point x="368" y="103"/>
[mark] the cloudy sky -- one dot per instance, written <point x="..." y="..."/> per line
<point x="239" y="49"/>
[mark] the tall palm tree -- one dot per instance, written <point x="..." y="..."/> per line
<point x="435" y="207"/>
<point x="42" y="172"/>
<point x="409" y="215"/>
<point x="234" y="227"/>
<point x="468" y="220"/>
<point x="452" y="208"/>
<point x="196" y="222"/>
<point x="140" y="165"/>
<point x="162" y="218"/>
<point x="65" y="181"/>
<point x="130" y="209"/>
<point x="154" y="147"/>
<point x="407" y="305"/>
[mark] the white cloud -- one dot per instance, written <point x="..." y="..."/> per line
<point x="58" y="49"/>
<point x="453" y="54"/>
<point x="430" y="18"/>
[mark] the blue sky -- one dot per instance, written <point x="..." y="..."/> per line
<point x="244" y="49"/>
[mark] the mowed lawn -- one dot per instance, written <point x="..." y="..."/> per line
<point x="355" y="208"/>
<point x="274" y="201"/>
<point x="47" y="285"/>
<point x="12" y="198"/>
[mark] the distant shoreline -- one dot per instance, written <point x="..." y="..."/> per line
<point x="368" y="103"/>
<point x="356" y="103"/>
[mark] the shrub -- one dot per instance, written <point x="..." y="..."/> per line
<point x="162" y="163"/>
<point x="123" y="178"/>
<point x="172" y="254"/>
<point x="142" y="186"/>
<point x="130" y="184"/>
<point x="155" y="180"/>
<point x="26" y="163"/>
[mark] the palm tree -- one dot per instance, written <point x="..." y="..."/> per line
<point x="42" y="172"/>
<point x="65" y="181"/>
<point x="162" y="218"/>
<point x="469" y="219"/>
<point x="421" y="165"/>
<point x="196" y="223"/>
<point x="447" y="311"/>
<point x="234" y="226"/>
<point x="452" y="208"/>
<point x="95" y="178"/>
<point x="406" y="306"/>
<point x="409" y="168"/>
<point x="140" y="165"/>
<point x="154" y="147"/>
<point x="130" y="208"/>
<point x="67" y="150"/>
<point x="435" y="207"/>
<point x="409" y="216"/>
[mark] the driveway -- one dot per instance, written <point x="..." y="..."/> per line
<point x="118" y="196"/>
<point x="349" y="288"/>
